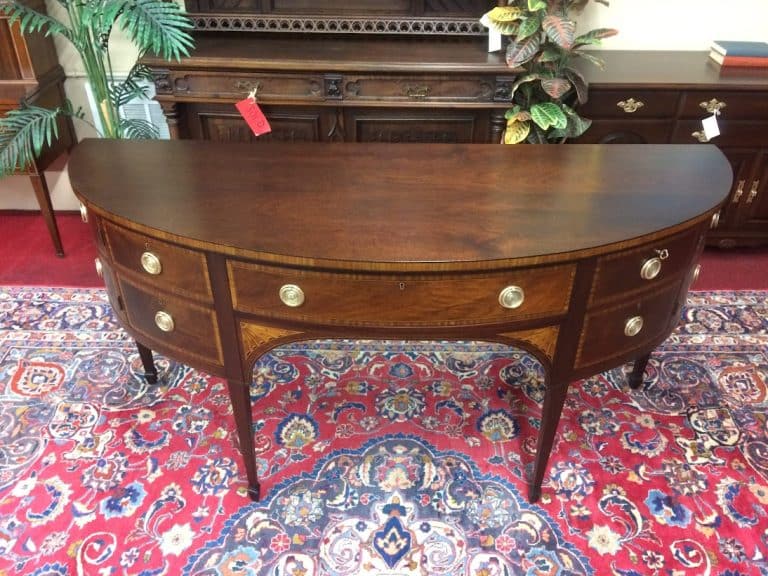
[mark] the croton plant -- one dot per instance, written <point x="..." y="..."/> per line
<point x="542" y="47"/>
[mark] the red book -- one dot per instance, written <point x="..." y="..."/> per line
<point x="740" y="61"/>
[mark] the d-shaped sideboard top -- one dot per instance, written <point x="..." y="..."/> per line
<point x="214" y="254"/>
<point x="368" y="204"/>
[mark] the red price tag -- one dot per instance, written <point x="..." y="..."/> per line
<point x="253" y="115"/>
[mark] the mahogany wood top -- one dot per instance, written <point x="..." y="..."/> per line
<point x="361" y="203"/>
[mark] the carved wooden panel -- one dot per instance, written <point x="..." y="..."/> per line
<point x="222" y="123"/>
<point x="404" y="125"/>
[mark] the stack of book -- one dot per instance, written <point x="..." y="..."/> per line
<point x="736" y="53"/>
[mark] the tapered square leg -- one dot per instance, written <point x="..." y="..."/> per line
<point x="150" y="371"/>
<point x="240" y="396"/>
<point x="46" y="209"/>
<point x="635" y="378"/>
<point x="554" y="398"/>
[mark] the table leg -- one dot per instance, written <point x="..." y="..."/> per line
<point x="554" y="398"/>
<point x="638" y="371"/>
<point x="46" y="208"/>
<point x="240" y="396"/>
<point x="150" y="371"/>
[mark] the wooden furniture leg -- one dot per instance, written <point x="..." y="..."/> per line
<point x="240" y="396"/>
<point x="635" y="379"/>
<point x="46" y="208"/>
<point x="150" y="371"/>
<point x="554" y="398"/>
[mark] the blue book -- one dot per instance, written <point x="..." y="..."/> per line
<point x="740" y="48"/>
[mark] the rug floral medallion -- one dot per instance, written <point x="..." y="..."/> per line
<point x="380" y="458"/>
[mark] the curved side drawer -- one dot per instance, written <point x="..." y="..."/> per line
<point x="604" y="336"/>
<point x="194" y="330"/>
<point x="406" y="300"/>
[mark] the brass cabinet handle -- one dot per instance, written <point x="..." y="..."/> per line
<point x="291" y="295"/>
<point x="753" y="191"/>
<point x="700" y="136"/>
<point x="151" y="263"/>
<point x="83" y="213"/>
<point x="511" y="297"/>
<point x="417" y="92"/>
<point x="630" y="106"/>
<point x="164" y="321"/>
<point x="739" y="191"/>
<point x="712" y="106"/>
<point x="715" y="220"/>
<point x="696" y="272"/>
<point x="633" y="326"/>
<point x="99" y="268"/>
<point x="650" y="269"/>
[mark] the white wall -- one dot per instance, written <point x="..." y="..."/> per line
<point x="642" y="25"/>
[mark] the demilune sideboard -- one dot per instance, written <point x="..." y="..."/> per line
<point x="215" y="253"/>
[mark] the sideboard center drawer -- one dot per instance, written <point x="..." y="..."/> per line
<point x="400" y="300"/>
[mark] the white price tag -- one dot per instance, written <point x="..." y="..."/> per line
<point x="711" y="129"/>
<point x="494" y="37"/>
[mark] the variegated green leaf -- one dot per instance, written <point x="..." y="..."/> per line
<point x="594" y="36"/>
<point x="524" y="80"/>
<point x="560" y="30"/>
<point x="516" y="132"/>
<point x="579" y="83"/>
<point x="599" y="62"/>
<point x="556" y="87"/>
<point x="548" y="114"/>
<point x="522" y="52"/>
<point x="512" y="113"/>
<point x="505" y="14"/>
<point x="576" y="125"/>
<point x="537" y="135"/>
<point x="529" y="26"/>
<point x="536" y="5"/>
<point x="550" y="55"/>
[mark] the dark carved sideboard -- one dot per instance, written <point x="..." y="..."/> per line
<point x="349" y="72"/>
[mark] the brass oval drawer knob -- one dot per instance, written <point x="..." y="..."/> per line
<point x="512" y="297"/>
<point x="151" y="263"/>
<point x="164" y="321"/>
<point x="715" y="220"/>
<point x="633" y="326"/>
<point x="650" y="268"/>
<point x="291" y="295"/>
<point x="83" y="213"/>
<point x="630" y="105"/>
<point x="696" y="272"/>
<point x="99" y="268"/>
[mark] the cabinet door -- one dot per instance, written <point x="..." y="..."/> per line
<point x="223" y="123"/>
<point x="753" y="206"/>
<point x="742" y="161"/>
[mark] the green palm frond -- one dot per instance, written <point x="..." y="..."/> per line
<point x="130" y="88"/>
<point x="30" y="20"/>
<point x="23" y="134"/>
<point x="157" y="26"/>
<point x="137" y="129"/>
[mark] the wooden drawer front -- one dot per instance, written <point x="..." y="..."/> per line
<point x="603" y="336"/>
<point x="113" y="290"/>
<point x="417" y="89"/>
<point x="620" y="131"/>
<point x="406" y="300"/>
<point x="269" y="87"/>
<point x="195" y="332"/>
<point x="619" y="275"/>
<point x="738" y="105"/>
<point x="618" y="104"/>
<point x="183" y="271"/>
<point x="737" y="133"/>
<point x="425" y="126"/>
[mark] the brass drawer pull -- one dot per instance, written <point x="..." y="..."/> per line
<point x="715" y="220"/>
<point x="416" y="92"/>
<point x="696" y="272"/>
<point x="739" y="191"/>
<point x="511" y="297"/>
<point x="99" y="268"/>
<point x="164" y="321"/>
<point x="633" y="326"/>
<point x="650" y="268"/>
<point x="713" y="106"/>
<point x="630" y="106"/>
<point x="753" y="191"/>
<point x="151" y="263"/>
<point x="291" y="295"/>
<point x="83" y="213"/>
<point x="700" y="136"/>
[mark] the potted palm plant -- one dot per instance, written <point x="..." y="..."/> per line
<point x="542" y="48"/>
<point x="157" y="26"/>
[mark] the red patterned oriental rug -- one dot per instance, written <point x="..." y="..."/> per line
<point x="379" y="457"/>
